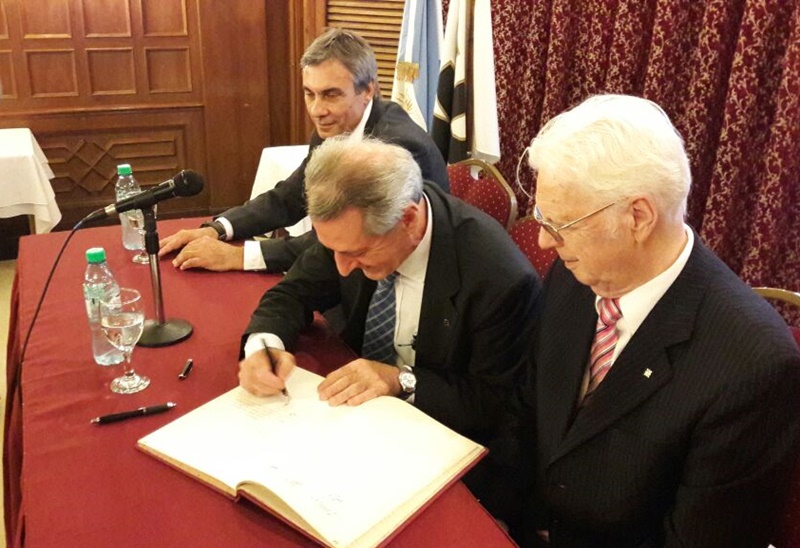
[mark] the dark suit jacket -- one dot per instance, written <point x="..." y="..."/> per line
<point x="690" y="438"/>
<point x="478" y="299"/>
<point x="285" y="205"/>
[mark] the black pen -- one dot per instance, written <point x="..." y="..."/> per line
<point x="272" y="367"/>
<point x="186" y="369"/>
<point x="141" y="412"/>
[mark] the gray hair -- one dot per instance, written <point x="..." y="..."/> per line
<point x="350" y="49"/>
<point x="376" y="177"/>
<point x="616" y="146"/>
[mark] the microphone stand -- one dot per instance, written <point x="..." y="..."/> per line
<point x="159" y="332"/>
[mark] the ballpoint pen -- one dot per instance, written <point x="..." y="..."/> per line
<point x="141" y="412"/>
<point x="271" y="363"/>
<point x="186" y="369"/>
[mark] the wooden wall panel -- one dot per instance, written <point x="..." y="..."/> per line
<point x="106" y="18"/>
<point x="111" y="71"/>
<point x="164" y="18"/>
<point x="84" y="152"/>
<point x="51" y="73"/>
<point x="46" y="19"/>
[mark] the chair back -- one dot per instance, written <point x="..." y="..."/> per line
<point x="525" y="233"/>
<point x="788" y="533"/>
<point x="276" y="164"/>
<point x="481" y="185"/>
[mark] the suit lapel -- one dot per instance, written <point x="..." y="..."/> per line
<point x="438" y="314"/>
<point x="569" y="316"/>
<point x="644" y="365"/>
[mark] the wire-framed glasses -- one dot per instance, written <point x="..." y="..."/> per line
<point x="554" y="231"/>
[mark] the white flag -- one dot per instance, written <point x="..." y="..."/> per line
<point x="451" y="126"/>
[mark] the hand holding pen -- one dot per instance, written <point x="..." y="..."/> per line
<point x="272" y="368"/>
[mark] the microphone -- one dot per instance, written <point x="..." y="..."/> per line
<point x="185" y="183"/>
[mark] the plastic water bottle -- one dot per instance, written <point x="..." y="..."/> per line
<point x="132" y="220"/>
<point x="99" y="285"/>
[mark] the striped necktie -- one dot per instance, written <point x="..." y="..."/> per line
<point x="605" y="340"/>
<point x="379" y="326"/>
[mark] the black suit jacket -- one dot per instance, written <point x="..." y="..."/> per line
<point x="478" y="300"/>
<point x="286" y="205"/>
<point x="690" y="438"/>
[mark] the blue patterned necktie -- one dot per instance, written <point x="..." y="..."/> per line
<point x="379" y="326"/>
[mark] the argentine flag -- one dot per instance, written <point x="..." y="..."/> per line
<point x="416" y="74"/>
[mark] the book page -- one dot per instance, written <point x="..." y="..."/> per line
<point x="343" y="469"/>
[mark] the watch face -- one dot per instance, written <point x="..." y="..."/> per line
<point x="407" y="381"/>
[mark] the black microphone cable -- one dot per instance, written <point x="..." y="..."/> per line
<point x="44" y="291"/>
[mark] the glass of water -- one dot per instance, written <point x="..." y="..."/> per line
<point x="122" y="321"/>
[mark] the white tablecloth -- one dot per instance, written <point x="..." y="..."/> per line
<point x="25" y="180"/>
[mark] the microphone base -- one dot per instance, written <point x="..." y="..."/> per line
<point x="164" y="334"/>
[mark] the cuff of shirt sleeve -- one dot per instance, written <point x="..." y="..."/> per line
<point x="228" y="227"/>
<point x="253" y="258"/>
<point x="256" y="341"/>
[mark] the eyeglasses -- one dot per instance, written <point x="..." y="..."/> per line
<point x="554" y="231"/>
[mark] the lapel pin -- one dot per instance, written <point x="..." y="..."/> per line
<point x="647" y="373"/>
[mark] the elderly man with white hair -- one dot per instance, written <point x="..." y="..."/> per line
<point x="662" y="398"/>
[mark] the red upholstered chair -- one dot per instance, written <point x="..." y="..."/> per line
<point x="788" y="534"/>
<point x="525" y="233"/>
<point x="489" y="191"/>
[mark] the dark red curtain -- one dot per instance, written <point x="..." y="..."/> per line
<point x="726" y="71"/>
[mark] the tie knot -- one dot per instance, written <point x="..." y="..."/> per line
<point x="610" y="312"/>
<point x="389" y="280"/>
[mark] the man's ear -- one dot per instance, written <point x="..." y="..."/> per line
<point x="369" y="93"/>
<point x="645" y="217"/>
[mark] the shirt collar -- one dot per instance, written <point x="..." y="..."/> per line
<point x="416" y="264"/>
<point x="637" y="304"/>
<point x="358" y="133"/>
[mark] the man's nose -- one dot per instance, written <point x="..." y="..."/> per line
<point x="345" y="265"/>
<point x="546" y="240"/>
<point x="317" y="107"/>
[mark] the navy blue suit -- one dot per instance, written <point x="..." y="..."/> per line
<point x="688" y="441"/>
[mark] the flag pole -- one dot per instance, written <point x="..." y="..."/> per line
<point x="468" y="76"/>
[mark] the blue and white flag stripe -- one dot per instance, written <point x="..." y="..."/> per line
<point x="417" y="72"/>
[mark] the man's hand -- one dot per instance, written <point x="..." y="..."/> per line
<point x="359" y="381"/>
<point x="211" y="254"/>
<point x="183" y="237"/>
<point x="256" y="376"/>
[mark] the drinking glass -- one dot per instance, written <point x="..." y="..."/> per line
<point x="122" y="321"/>
<point x="136" y="219"/>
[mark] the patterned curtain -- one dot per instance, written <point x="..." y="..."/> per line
<point x="726" y="71"/>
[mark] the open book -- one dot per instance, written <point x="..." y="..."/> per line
<point x="345" y="476"/>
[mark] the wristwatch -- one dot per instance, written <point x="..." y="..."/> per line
<point x="408" y="381"/>
<point x="216" y="225"/>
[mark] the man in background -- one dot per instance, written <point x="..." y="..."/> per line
<point x="341" y="94"/>
<point x="661" y="402"/>
<point x="436" y="296"/>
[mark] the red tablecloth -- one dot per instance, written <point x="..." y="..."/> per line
<point x="70" y="483"/>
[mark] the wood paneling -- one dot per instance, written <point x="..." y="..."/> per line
<point x="62" y="51"/>
<point x="83" y="152"/>
<point x="236" y="101"/>
<point x="161" y="84"/>
<point x="106" y="18"/>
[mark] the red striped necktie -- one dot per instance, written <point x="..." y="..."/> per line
<point x="605" y="340"/>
